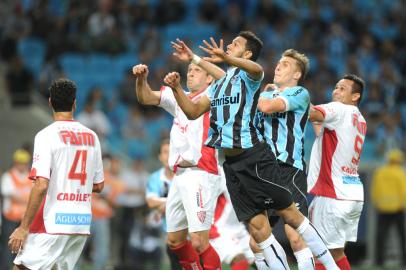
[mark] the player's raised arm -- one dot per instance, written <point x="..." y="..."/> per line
<point x="185" y="54"/>
<point x="191" y="110"/>
<point x="271" y="105"/>
<point x="217" y="54"/>
<point x="145" y="94"/>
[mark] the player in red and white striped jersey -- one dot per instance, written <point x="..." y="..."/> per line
<point x="333" y="171"/>
<point x="193" y="195"/>
<point x="67" y="168"/>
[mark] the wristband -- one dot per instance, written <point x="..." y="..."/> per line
<point x="196" y="59"/>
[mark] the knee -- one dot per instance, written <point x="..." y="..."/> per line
<point x="254" y="247"/>
<point x="173" y="241"/>
<point x="296" y="242"/>
<point x="292" y="217"/>
<point x="199" y="243"/>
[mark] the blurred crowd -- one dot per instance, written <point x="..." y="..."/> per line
<point x="97" y="42"/>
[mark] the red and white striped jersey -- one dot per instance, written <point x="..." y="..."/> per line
<point x="187" y="137"/>
<point x="333" y="169"/>
<point x="69" y="155"/>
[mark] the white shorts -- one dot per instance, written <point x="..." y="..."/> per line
<point x="44" y="251"/>
<point x="335" y="220"/>
<point x="232" y="244"/>
<point x="191" y="200"/>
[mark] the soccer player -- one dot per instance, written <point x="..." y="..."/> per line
<point x="157" y="191"/>
<point x="192" y="198"/>
<point x="333" y="171"/>
<point x="250" y="167"/>
<point x="67" y="168"/>
<point x="284" y="107"/>
<point x="228" y="236"/>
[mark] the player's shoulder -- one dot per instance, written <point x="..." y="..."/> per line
<point x="296" y="91"/>
<point x="46" y="131"/>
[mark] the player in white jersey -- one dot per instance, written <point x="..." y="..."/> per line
<point x="67" y="168"/>
<point x="192" y="198"/>
<point x="333" y="172"/>
<point x="228" y="236"/>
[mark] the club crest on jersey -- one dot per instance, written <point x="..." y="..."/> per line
<point x="201" y="215"/>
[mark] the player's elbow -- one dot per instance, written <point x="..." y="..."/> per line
<point x="98" y="187"/>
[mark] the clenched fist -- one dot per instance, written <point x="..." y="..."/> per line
<point x="140" y="70"/>
<point x="172" y="79"/>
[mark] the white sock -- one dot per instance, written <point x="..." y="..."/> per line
<point x="260" y="262"/>
<point x="304" y="259"/>
<point x="316" y="244"/>
<point x="274" y="253"/>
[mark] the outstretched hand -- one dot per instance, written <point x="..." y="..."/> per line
<point x="172" y="79"/>
<point x="215" y="51"/>
<point x="140" y="71"/>
<point x="182" y="51"/>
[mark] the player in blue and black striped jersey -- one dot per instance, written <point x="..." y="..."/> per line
<point x="284" y="109"/>
<point x="251" y="169"/>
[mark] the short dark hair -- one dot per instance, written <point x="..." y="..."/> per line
<point x="358" y="86"/>
<point x="254" y="44"/>
<point x="62" y="94"/>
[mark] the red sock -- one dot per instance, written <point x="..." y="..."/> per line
<point x="188" y="257"/>
<point x="319" y="266"/>
<point x="210" y="258"/>
<point x="240" y="265"/>
<point x="343" y="263"/>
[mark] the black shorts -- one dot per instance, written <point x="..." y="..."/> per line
<point x="254" y="183"/>
<point x="295" y="181"/>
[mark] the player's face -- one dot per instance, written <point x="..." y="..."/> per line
<point x="237" y="47"/>
<point x="164" y="155"/>
<point x="197" y="78"/>
<point x="286" y="72"/>
<point x="343" y="92"/>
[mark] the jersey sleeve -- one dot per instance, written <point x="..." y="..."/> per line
<point x="42" y="158"/>
<point x="332" y="113"/>
<point x="252" y="84"/>
<point x="98" y="173"/>
<point x="296" y="98"/>
<point x="168" y="101"/>
<point x="153" y="186"/>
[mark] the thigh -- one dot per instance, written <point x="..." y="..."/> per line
<point x="199" y="190"/>
<point x="73" y="247"/>
<point x="175" y="215"/>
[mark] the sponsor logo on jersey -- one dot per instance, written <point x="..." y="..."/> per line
<point x="73" y="219"/>
<point x="225" y="100"/>
<point x="351" y="180"/>
<point x="77" y="197"/>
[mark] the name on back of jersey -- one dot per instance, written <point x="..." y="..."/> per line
<point x="76" y="138"/>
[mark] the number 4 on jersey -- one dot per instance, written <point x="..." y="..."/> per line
<point x="73" y="175"/>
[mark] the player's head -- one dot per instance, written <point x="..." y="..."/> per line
<point x="246" y="45"/>
<point x="291" y="68"/>
<point x="197" y="78"/>
<point x="164" y="153"/>
<point x="349" y="90"/>
<point x="62" y="95"/>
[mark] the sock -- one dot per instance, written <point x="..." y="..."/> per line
<point x="210" y="258"/>
<point x="316" y="244"/>
<point x="240" y="265"/>
<point x="343" y="263"/>
<point x="304" y="259"/>
<point x="260" y="262"/>
<point x="274" y="253"/>
<point x="188" y="257"/>
<point x="320" y="266"/>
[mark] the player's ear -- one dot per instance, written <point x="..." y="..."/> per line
<point x="297" y="75"/>
<point x="247" y="54"/>
<point x="74" y="105"/>
<point x="209" y="79"/>
<point x="355" y="97"/>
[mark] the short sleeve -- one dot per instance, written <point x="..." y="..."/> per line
<point x="252" y="84"/>
<point x="42" y="157"/>
<point x="332" y="113"/>
<point x="99" y="172"/>
<point x="168" y="101"/>
<point x="296" y="98"/>
<point x="153" y="186"/>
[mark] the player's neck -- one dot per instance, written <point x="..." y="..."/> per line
<point x="281" y="88"/>
<point x="169" y="174"/>
<point x="63" y="116"/>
